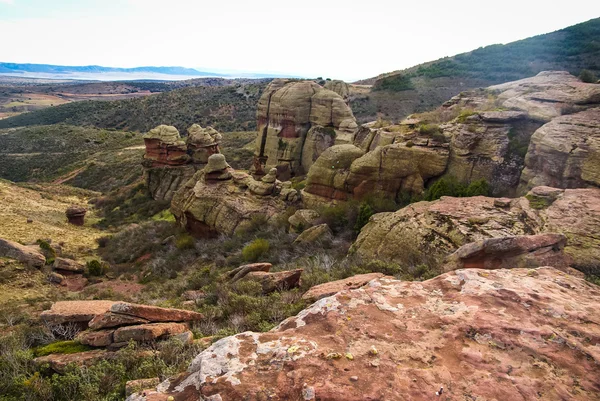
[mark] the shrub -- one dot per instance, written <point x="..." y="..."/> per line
<point x="462" y="117"/>
<point x="394" y="83"/>
<point x="450" y="186"/>
<point x="185" y="241"/>
<point x="47" y="250"/>
<point x="429" y="129"/>
<point x="478" y="188"/>
<point x="588" y="77"/>
<point x="364" y="214"/>
<point x="96" y="268"/>
<point x="255" y="250"/>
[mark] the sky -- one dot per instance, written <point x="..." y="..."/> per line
<point x="347" y="39"/>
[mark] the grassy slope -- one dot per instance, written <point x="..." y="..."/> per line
<point x="571" y="49"/>
<point x="102" y="159"/>
<point x="227" y="108"/>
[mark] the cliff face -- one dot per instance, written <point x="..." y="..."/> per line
<point x="296" y="121"/>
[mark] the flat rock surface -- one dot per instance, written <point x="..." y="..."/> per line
<point x="148" y="332"/>
<point x="22" y="253"/>
<point x="508" y="334"/>
<point x="108" y="319"/>
<point x="333" y="287"/>
<point x="75" y="311"/>
<point x="59" y="362"/>
<point x="155" y="313"/>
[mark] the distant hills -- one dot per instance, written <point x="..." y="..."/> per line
<point x="425" y="86"/>
<point x="96" y="72"/>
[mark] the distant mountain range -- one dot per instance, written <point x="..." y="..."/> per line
<point x="96" y="72"/>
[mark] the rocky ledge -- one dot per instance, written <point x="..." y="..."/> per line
<point x="519" y="334"/>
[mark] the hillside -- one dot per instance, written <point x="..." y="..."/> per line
<point x="89" y="158"/>
<point x="227" y="108"/>
<point x="397" y="94"/>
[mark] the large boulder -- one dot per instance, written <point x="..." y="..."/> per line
<point x="427" y="232"/>
<point x="22" y="253"/>
<point x="508" y="334"/>
<point x="218" y="200"/>
<point x="565" y="153"/>
<point x="297" y="121"/>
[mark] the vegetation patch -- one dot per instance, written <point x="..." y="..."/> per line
<point x="61" y="347"/>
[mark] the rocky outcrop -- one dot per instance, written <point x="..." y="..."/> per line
<point x="507" y="334"/>
<point x="276" y="281"/>
<point x="525" y="251"/>
<point x="60" y="362"/>
<point x="339" y="87"/>
<point x="64" y="312"/>
<point x="297" y="121"/>
<point x="169" y="162"/>
<point x="219" y="200"/>
<point x="427" y="232"/>
<point x="303" y="219"/>
<point x="68" y="265"/>
<point x="565" y="153"/>
<point x="495" y="135"/>
<point x="24" y="254"/>
<point x="154" y="313"/>
<point x="322" y="232"/>
<point x="76" y="215"/>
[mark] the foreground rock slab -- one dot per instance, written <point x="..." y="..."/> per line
<point x="507" y="334"/>
<point x="75" y="311"/>
<point x="155" y="313"/>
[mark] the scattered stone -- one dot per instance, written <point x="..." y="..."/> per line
<point x="322" y="232"/>
<point x="240" y="272"/>
<point x="148" y="332"/>
<point x="76" y="215"/>
<point x="68" y="265"/>
<point x="29" y="221"/>
<point x="186" y="337"/>
<point x="353" y="378"/>
<point x="193" y="295"/>
<point x="155" y="313"/>
<point x="277" y="281"/>
<point x="108" y="319"/>
<point x="333" y="287"/>
<point x="502" y="202"/>
<point x="56" y="278"/>
<point x="22" y="253"/>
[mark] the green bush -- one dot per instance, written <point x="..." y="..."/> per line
<point x="394" y="83"/>
<point x="185" y="241"/>
<point x="588" y="77"/>
<point x="96" y="268"/>
<point x="47" y="250"/>
<point x="255" y="250"/>
<point x="429" y="129"/>
<point x="364" y="214"/>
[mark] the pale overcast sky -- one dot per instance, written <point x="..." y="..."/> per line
<point x="338" y="39"/>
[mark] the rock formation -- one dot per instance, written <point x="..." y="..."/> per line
<point x="218" y="200"/>
<point x="114" y="324"/>
<point x="508" y="334"/>
<point x="76" y="215"/>
<point x="427" y="232"/>
<point x="490" y="139"/>
<point x="297" y="121"/>
<point x="24" y="254"/>
<point x="565" y="153"/>
<point x="339" y="87"/>
<point x="169" y="161"/>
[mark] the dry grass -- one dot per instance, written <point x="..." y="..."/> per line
<point x="45" y="205"/>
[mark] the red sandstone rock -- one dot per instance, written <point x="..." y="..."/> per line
<point x="327" y="289"/>
<point x="102" y="338"/>
<point x="525" y="251"/>
<point x="68" y="265"/>
<point x="276" y="281"/>
<point x="76" y="215"/>
<point x="240" y="272"/>
<point x="148" y="332"/>
<point x="108" y="319"/>
<point x="154" y="313"/>
<point x="503" y="334"/>
<point x="75" y="311"/>
<point x="22" y="253"/>
<point x="59" y="362"/>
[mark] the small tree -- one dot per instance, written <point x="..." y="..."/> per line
<point x="588" y="77"/>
